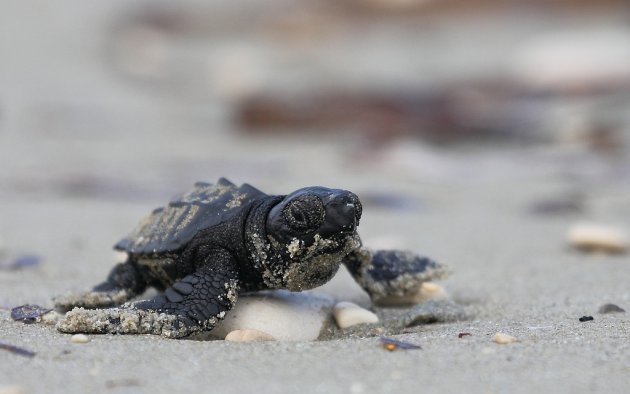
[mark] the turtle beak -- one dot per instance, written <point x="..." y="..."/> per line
<point x="343" y="212"/>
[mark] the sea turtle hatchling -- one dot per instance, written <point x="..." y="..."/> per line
<point x="218" y="240"/>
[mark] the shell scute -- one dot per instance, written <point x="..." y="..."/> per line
<point x="169" y="228"/>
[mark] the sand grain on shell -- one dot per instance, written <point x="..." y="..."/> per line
<point x="79" y="338"/>
<point x="503" y="338"/>
<point x="596" y="237"/>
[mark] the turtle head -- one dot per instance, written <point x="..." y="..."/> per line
<point x="310" y="231"/>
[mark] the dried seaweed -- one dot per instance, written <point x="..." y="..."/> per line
<point x="16" y="350"/>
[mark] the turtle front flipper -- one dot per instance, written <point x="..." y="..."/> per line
<point x="192" y="304"/>
<point x="392" y="276"/>
<point x="123" y="283"/>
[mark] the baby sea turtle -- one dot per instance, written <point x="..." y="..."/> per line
<point x="219" y="240"/>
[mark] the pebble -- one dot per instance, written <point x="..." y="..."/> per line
<point x="51" y="318"/>
<point x="348" y="314"/>
<point x="586" y="318"/>
<point x="594" y="237"/>
<point x="284" y="315"/>
<point x="79" y="338"/>
<point x="503" y="339"/>
<point x="611" y="308"/>
<point x="248" y="335"/>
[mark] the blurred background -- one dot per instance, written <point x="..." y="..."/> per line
<point x="109" y="108"/>
<point x="93" y="92"/>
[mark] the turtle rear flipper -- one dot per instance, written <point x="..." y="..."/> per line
<point x="192" y="304"/>
<point x="392" y="276"/>
<point x="123" y="283"/>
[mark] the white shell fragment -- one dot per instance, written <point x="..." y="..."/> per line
<point x="284" y="315"/>
<point x="431" y="291"/>
<point x="79" y="338"/>
<point x="594" y="237"/>
<point x="504" y="339"/>
<point x="248" y="335"/>
<point x="51" y="318"/>
<point x="348" y="314"/>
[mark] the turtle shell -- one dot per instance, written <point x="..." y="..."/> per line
<point x="169" y="228"/>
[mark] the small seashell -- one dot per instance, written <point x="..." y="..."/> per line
<point x="79" y="338"/>
<point x="348" y="314"/>
<point x="503" y="339"/>
<point x="248" y="335"/>
<point x="593" y="237"/>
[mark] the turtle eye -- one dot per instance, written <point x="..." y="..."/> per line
<point x="305" y="213"/>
